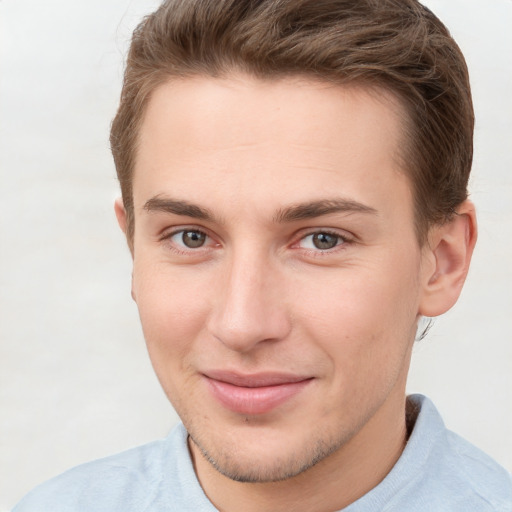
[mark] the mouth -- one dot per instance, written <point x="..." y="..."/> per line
<point x="256" y="393"/>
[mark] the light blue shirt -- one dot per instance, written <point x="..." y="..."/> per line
<point x="437" y="471"/>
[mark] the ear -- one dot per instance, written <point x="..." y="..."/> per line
<point x="447" y="256"/>
<point x="121" y="220"/>
<point x="120" y="214"/>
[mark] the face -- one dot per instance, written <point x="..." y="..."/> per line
<point x="276" y="267"/>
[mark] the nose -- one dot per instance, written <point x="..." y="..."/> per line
<point x="249" y="308"/>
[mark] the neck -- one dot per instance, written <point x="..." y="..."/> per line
<point x="332" y="484"/>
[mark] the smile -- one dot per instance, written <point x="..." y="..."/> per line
<point x="254" y="394"/>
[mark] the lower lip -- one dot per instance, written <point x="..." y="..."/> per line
<point x="259" y="400"/>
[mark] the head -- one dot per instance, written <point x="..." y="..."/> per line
<point x="294" y="181"/>
<point x="393" y="45"/>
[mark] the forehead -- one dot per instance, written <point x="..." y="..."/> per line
<point x="243" y="137"/>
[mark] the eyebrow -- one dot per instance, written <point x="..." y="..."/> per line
<point x="167" y="205"/>
<point x="301" y="211"/>
<point x="310" y="210"/>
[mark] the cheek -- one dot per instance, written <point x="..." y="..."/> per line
<point x="172" y="310"/>
<point x="365" y="328"/>
<point x="362" y="300"/>
<point x="365" y="318"/>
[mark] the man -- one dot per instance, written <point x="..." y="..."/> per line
<point x="294" y="194"/>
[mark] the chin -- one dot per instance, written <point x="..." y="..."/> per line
<point x="264" y="458"/>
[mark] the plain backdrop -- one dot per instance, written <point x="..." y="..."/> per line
<point x="75" y="380"/>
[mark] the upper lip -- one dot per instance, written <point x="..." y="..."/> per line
<point x="254" y="380"/>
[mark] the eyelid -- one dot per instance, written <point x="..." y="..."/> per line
<point x="173" y="230"/>
<point x="175" y="238"/>
<point x="168" y="234"/>
<point x="344" y="237"/>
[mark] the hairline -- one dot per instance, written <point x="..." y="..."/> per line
<point x="376" y="89"/>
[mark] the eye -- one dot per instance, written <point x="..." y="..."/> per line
<point x="321" y="241"/>
<point x="189" y="238"/>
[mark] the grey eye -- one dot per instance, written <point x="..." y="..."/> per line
<point x="325" y="240"/>
<point x="321" y="240"/>
<point x="190" y="239"/>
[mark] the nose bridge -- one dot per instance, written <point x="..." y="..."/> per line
<point x="248" y="310"/>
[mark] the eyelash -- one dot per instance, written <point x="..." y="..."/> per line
<point x="167" y="237"/>
<point x="343" y="242"/>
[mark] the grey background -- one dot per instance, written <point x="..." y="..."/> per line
<point x="75" y="381"/>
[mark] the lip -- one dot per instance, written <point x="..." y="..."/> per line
<point x="253" y="393"/>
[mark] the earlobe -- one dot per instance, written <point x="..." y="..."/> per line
<point x="450" y="248"/>
<point x="132" y="292"/>
<point x="120" y="214"/>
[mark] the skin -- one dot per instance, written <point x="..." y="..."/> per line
<point x="259" y="168"/>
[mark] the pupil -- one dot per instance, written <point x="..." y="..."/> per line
<point x="193" y="239"/>
<point x="325" y="241"/>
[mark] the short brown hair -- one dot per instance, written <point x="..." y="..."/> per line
<point x="398" y="45"/>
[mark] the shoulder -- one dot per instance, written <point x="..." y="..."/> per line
<point x="454" y="472"/>
<point x="439" y="471"/>
<point x="125" y="482"/>
<point x="476" y="473"/>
